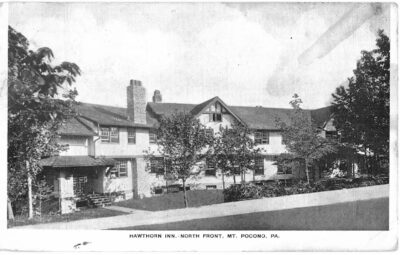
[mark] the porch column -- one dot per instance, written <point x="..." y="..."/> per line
<point x="67" y="198"/>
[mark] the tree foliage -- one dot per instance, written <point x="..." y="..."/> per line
<point x="234" y="150"/>
<point x="35" y="108"/>
<point x="362" y="108"/>
<point x="302" y="138"/>
<point x="183" y="143"/>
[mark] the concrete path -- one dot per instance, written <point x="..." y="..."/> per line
<point x="224" y="209"/>
<point x="123" y="209"/>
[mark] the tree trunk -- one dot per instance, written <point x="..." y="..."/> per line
<point x="234" y="178"/>
<point x="10" y="212"/>
<point x="30" y="202"/>
<point x="307" y="173"/>
<point x="223" y="180"/>
<point x="184" y="194"/>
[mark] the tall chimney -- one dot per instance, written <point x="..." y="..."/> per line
<point x="136" y="102"/>
<point x="157" y="98"/>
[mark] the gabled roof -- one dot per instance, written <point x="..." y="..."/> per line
<point x="254" y="117"/>
<point x="323" y="118"/>
<point x="200" y="108"/>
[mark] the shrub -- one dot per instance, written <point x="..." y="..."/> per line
<point x="239" y="192"/>
<point x="277" y="188"/>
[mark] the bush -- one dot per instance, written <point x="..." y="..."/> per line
<point x="242" y="192"/>
<point x="247" y="191"/>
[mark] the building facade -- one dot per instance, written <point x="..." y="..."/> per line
<point x="106" y="146"/>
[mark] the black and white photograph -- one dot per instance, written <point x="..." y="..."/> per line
<point x="164" y="126"/>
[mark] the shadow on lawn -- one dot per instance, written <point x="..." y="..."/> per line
<point x="168" y="201"/>
<point x="79" y="215"/>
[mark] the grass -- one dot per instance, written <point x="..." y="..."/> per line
<point x="79" y="215"/>
<point x="370" y="214"/>
<point x="175" y="200"/>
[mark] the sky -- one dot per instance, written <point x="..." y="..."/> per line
<point x="251" y="54"/>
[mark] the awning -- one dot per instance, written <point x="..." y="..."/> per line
<point x="76" y="161"/>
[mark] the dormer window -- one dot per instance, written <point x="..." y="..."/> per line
<point x="215" y="112"/>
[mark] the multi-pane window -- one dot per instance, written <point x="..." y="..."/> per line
<point x="157" y="165"/>
<point x="120" y="169"/>
<point x="261" y="137"/>
<point x="152" y="137"/>
<point x="259" y="166"/>
<point x="215" y="112"/>
<point x="109" y="134"/>
<point x="210" y="170"/>
<point x="131" y="135"/>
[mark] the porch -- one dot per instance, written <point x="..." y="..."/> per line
<point x="76" y="179"/>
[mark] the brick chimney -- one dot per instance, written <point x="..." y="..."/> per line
<point x="136" y="102"/>
<point x="157" y="98"/>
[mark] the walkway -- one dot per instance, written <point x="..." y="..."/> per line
<point x="123" y="209"/>
<point x="142" y="218"/>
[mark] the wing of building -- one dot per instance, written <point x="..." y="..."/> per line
<point x="106" y="146"/>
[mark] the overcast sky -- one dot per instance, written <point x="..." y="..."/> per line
<point x="247" y="54"/>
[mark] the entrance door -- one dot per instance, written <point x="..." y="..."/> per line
<point x="81" y="185"/>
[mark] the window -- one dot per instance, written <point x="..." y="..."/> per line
<point x="211" y="186"/>
<point x="215" y="112"/>
<point x="131" y="135"/>
<point x="120" y="169"/>
<point x="210" y="171"/>
<point x="261" y="137"/>
<point x="259" y="166"/>
<point x="152" y="137"/>
<point x="331" y="135"/>
<point x="284" y="169"/>
<point x="157" y="165"/>
<point x="109" y="134"/>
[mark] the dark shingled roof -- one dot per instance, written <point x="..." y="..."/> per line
<point x="75" y="127"/>
<point x="255" y="117"/>
<point x="76" y="161"/>
<point x="110" y="115"/>
<point x="262" y="117"/>
<point x="322" y="115"/>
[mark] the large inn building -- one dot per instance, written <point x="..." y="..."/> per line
<point x="106" y="146"/>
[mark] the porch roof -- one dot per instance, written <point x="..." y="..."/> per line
<point x="76" y="161"/>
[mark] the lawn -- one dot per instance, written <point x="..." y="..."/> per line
<point x="79" y="215"/>
<point x="175" y="200"/>
<point x="370" y="214"/>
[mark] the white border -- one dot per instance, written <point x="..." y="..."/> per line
<point x="51" y="240"/>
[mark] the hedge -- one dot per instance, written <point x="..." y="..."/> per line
<point x="246" y="191"/>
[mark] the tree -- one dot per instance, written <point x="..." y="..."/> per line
<point x="182" y="142"/>
<point x="302" y="138"/>
<point x="361" y="109"/>
<point x="234" y="151"/>
<point x="35" y="111"/>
